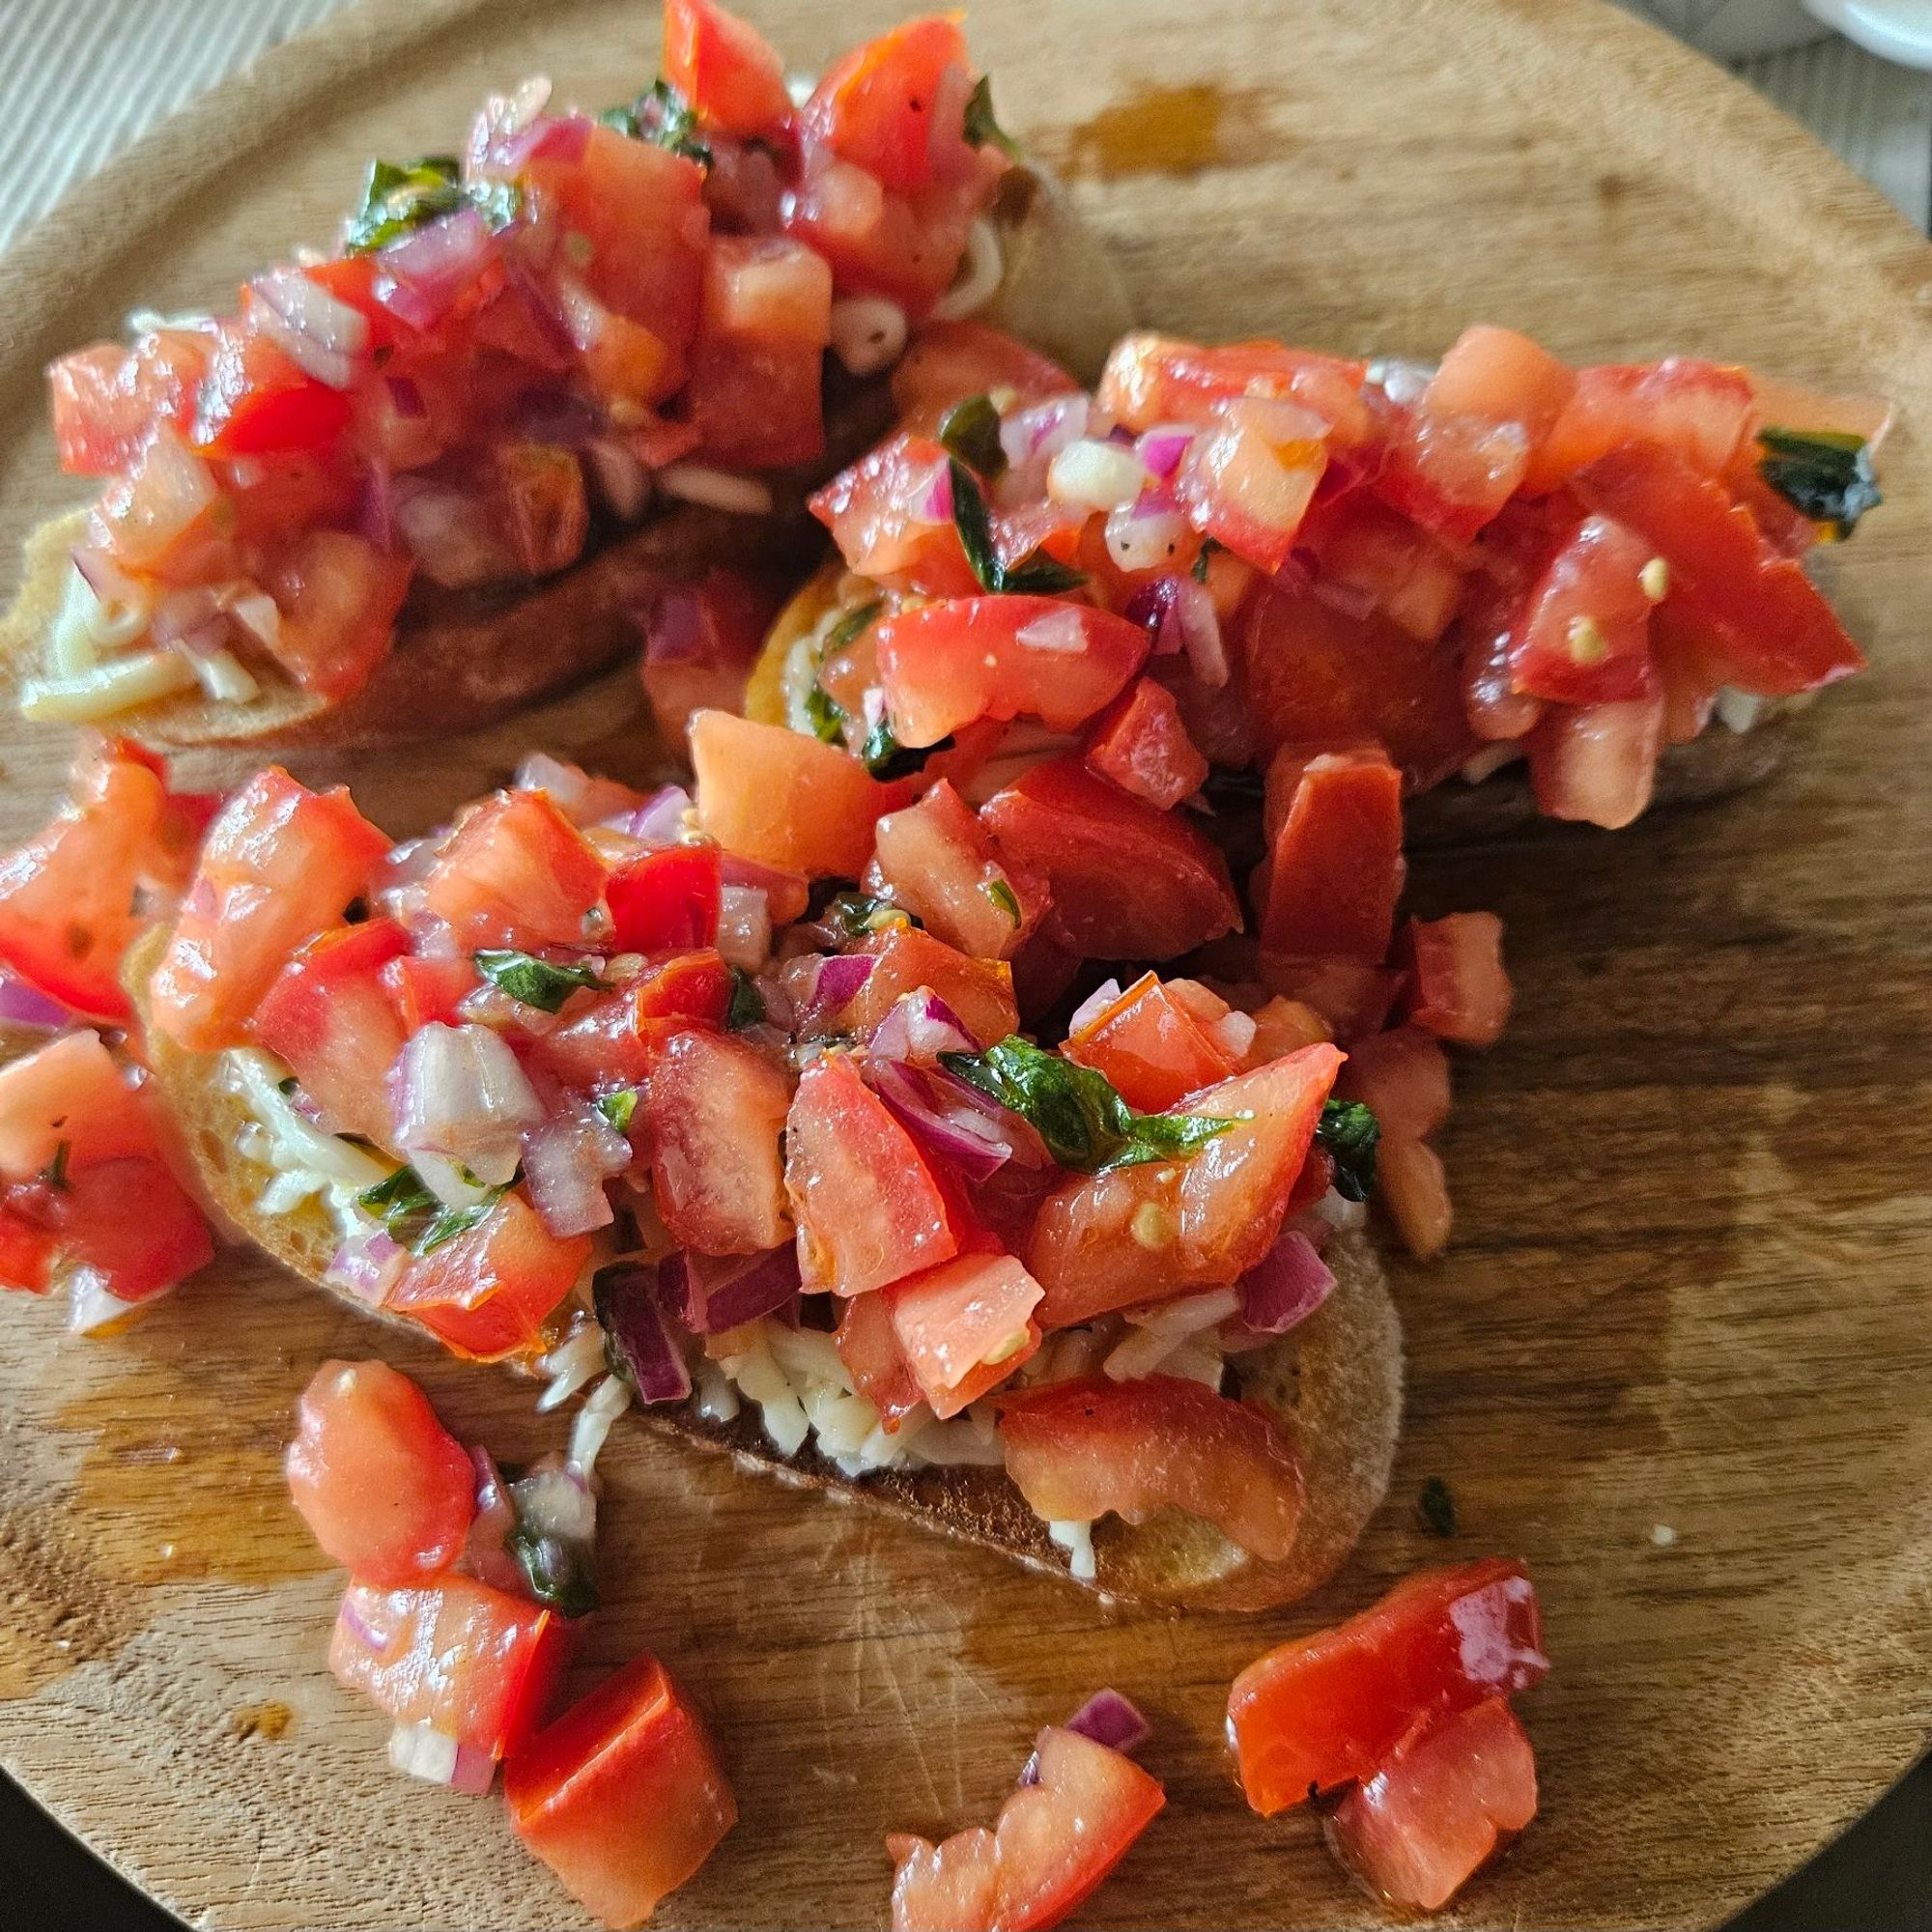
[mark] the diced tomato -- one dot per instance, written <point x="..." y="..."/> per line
<point x="338" y="596"/>
<point x="1147" y="1234"/>
<point x="869" y="1208"/>
<point x="778" y="797"/>
<point x="385" y="1488"/>
<point x="67" y="1093"/>
<point x="714" y="1115"/>
<point x="623" y="1795"/>
<point x="1362" y="547"/>
<point x="1316" y="676"/>
<point x="1584" y="635"/>
<point x="980" y="991"/>
<point x="1411" y="1186"/>
<point x="1331" y="879"/>
<point x="256" y="401"/>
<point x="788" y="894"/>
<point x="1452" y="1795"/>
<point x="701" y="643"/>
<point x="1151" y="380"/>
<point x="67" y="896"/>
<point x="164" y="518"/>
<point x="947" y="664"/>
<point x="949" y="361"/>
<point x="1598" y="764"/>
<point x="939" y="861"/>
<point x="631" y="368"/>
<point x="726" y="69"/>
<point x="1056" y="1839"/>
<point x="1152" y="1047"/>
<point x="280" y="864"/>
<point x="1696" y="409"/>
<point x="1351" y="998"/>
<point x="515" y="872"/>
<point x="664" y="900"/>
<point x="28" y="1252"/>
<point x="1143" y="746"/>
<point x="1777" y="633"/>
<point x="617" y="1040"/>
<point x="427" y="991"/>
<point x="1458" y="988"/>
<point x="754" y="391"/>
<point x="329" y="1015"/>
<point x="1494" y="375"/>
<point x="1078" y="1450"/>
<point x="1248" y="478"/>
<point x="1084" y="836"/>
<point x="1285" y="1026"/>
<point x="1402" y="1078"/>
<point x="488" y="1293"/>
<point x="880" y="107"/>
<point x="890" y="515"/>
<point x="476" y="1663"/>
<point x="1452" y="473"/>
<point x="868" y="1345"/>
<point x="107" y="399"/>
<point x="965" y="1326"/>
<point x="1330" y="1709"/>
<point x="127" y="1227"/>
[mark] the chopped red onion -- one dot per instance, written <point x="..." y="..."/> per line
<point x="657" y="820"/>
<point x="349" y="1616"/>
<point x="1106" y="1717"/>
<point x="486" y="1553"/>
<point x="582" y="799"/>
<point x="104" y="576"/>
<point x="366" y="1263"/>
<point x="1039" y="433"/>
<point x="406" y="397"/>
<point x="1200" y="632"/>
<point x="424" y="274"/>
<point x="627" y="1305"/>
<point x="503" y="118"/>
<point x="933" y="504"/>
<point x="623" y="483"/>
<point x="963" y="1127"/>
<point x="549" y="137"/>
<point x="1284" y="1288"/>
<point x="458" y="1095"/>
<point x="1156" y="607"/>
<point x="744" y="928"/>
<point x="921" y="1027"/>
<point x="448" y="533"/>
<point x="566" y="1162"/>
<point x="23" y="1004"/>
<point x="181" y="613"/>
<point x="1162" y="447"/>
<point x="317" y="332"/>
<point x="839" y="981"/>
<point x="708" y="1294"/>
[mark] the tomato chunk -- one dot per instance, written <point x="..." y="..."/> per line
<point x="1055" y="1841"/>
<point x="623" y="1795"/>
<point x="1461" y="991"/>
<point x="980" y="991"/>
<point x="1584" y="635"/>
<point x="280" y="864"/>
<point x="715" y="1114"/>
<point x="1084" y="836"/>
<point x="949" y="361"/>
<point x="868" y="1345"/>
<point x="488" y="1293"/>
<point x="1077" y="1450"/>
<point x="891" y="516"/>
<point x="1154" y="1046"/>
<point x="878" y="106"/>
<point x="1247" y="480"/>
<point x="946" y="665"/>
<point x="1151" y="380"/>
<point x="666" y="900"/>
<point x="107" y="399"/>
<point x="727" y="70"/>
<point x="870" y="1211"/>
<point x="515" y="872"/>
<point x="1143" y="746"/>
<point x="256" y="401"/>
<point x="1598" y="764"/>
<point x="476" y="1663"/>
<point x="1146" y="1233"/>
<point x="965" y="1326"/>
<point x="1452" y="1795"/>
<point x="940" y="863"/>
<point x="339" y="596"/>
<point x="385" y="1488"/>
<point x="1402" y="1078"/>
<point x="1330" y="1709"/>
<point x="1330" y="882"/>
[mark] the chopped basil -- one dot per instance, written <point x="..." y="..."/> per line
<point x="1083" y="1120"/>
<point x="536" y="983"/>
<point x="971" y="431"/>
<point x="856" y="914"/>
<point x="885" y="757"/>
<point x="415" y="1217"/>
<point x="1006" y="898"/>
<point x="54" y="1173"/>
<point x="850" y="628"/>
<point x="1437" y="1507"/>
<point x="664" y="117"/>
<point x="1824" y="473"/>
<point x="1040" y="576"/>
<point x="826" y="716"/>
<point x="747" y="1004"/>
<point x="618" y="1107"/>
<point x="1350" y="1132"/>
<point x="401" y="196"/>
<point x="559" y="1573"/>
<point x="982" y="127"/>
<point x="288" y="1085"/>
<point x="1208" y="546"/>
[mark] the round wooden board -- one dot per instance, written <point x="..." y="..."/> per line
<point x="1693" y="1277"/>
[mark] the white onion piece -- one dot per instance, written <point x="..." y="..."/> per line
<point x="1491" y="759"/>
<point x="259" y="614"/>
<point x="1061" y="633"/>
<point x="622" y="481"/>
<point x="1095" y="476"/>
<point x="566" y="1162"/>
<point x="869" y="333"/>
<point x="607" y="1401"/>
<point x="1200" y="632"/>
<point x="91" y="1308"/>
<point x="979" y="275"/>
<point x="716" y="489"/>
<point x="1146" y="534"/>
<point x="317" y="332"/>
<point x="744" y="928"/>
<point x="458" y="1095"/>
<point x="1236" y="1030"/>
<point x="1092" y="1006"/>
<point x="1739" y="710"/>
<point x="437" y="1758"/>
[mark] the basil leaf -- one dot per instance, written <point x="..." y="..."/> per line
<point x="536" y="983"/>
<point x="624" y="120"/>
<point x="1006" y="898"/>
<point x="747" y="1004"/>
<point x="455" y="1221"/>
<point x="1040" y="576"/>
<point x="980" y="126"/>
<point x="662" y="116"/>
<point x="401" y="1194"/>
<point x="1827" y="474"/>
<point x="971" y="431"/>
<point x="54" y="1173"/>
<point x="1076" y="1111"/>
<point x="1437" y="1507"/>
<point x="415" y="1217"/>
<point x="826" y="716"/>
<point x="618" y="1107"/>
<point x="850" y="628"/>
<point x="1208" y="546"/>
<point x="559" y="1573"/>
<point x="885" y="757"/>
<point x="856" y="914"/>
<point x="1350" y="1132"/>
<point x="399" y="197"/>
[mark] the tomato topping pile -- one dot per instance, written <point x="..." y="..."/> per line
<point x="516" y="349"/>
<point x="1405" y="1710"/>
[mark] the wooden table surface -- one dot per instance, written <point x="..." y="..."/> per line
<point x="1693" y="1273"/>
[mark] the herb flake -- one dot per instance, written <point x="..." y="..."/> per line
<point x="1208" y="546"/>
<point x="1825" y="474"/>
<point x="825" y="715"/>
<point x="1038" y="576"/>
<point x="536" y="983"/>
<point x="857" y="914"/>
<point x="54" y="1173"/>
<point x="747" y="1004"/>
<point x="1437" y="1507"/>
<point x="414" y="1217"/>
<point x="1006" y="898"/>
<point x="1350" y="1133"/>
<point x="617" y="1108"/>
<point x="970" y="431"/>
<point x="886" y="758"/>
<point x="850" y="628"/>
<point x="982" y="128"/>
<point x="662" y="116"/>
<point x="557" y="1571"/>
<point x="399" y="197"/>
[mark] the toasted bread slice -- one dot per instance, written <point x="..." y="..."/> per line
<point x="464" y="659"/>
<point x="1334" y="1384"/>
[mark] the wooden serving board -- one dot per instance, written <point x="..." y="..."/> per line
<point x="1679" y="1354"/>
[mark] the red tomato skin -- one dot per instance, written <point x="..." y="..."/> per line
<point x="1454" y="1793"/>
<point x="132" y="1226"/>
<point x="1320" y="1711"/>
<point x="1152" y="1047"/>
<point x="279" y="865"/>
<point x="487" y="1294"/>
<point x="427" y="991"/>
<point x="1331" y="883"/>
<point x="1460" y="989"/>
<point x="874" y="108"/>
<point x="1077" y="1450"/>
<point x="329" y="1015"/>
<point x="664" y="900"/>
<point x="28" y="1252"/>
<point x="106" y="399"/>
<point x="1583" y="634"/>
<point x="869" y="1208"/>
<point x="755" y="366"/>
<point x="868" y="1345"/>
<point x="254" y="401"/>
<point x="1141" y="746"/>
<point x="515" y="872"/>
<point x="726" y="69"/>
<point x="885" y="515"/>
<point x="1777" y="633"/>
<point x="980" y="991"/>
<point x="385" y="1488"/>
<point x="1084" y="836"/>
<point x="476" y="1663"/>
<point x="623" y="1795"/>
<point x="713" y="1120"/>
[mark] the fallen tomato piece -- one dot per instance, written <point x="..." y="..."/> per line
<point x="1335" y="869"/>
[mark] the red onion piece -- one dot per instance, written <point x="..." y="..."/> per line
<point x="476" y="1771"/>
<point x="657" y="820"/>
<point x="920" y="1026"/>
<point x="351" y="1619"/>
<point x="839" y="981"/>
<point x="317" y="332"/>
<point x="424" y="274"/>
<point x="934" y="504"/>
<point x="366" y="1263"/>
<point x="1284" y="1288"/>
<point x="1042" y="431"/>
<point x="486" y="1553"/>
<point x="1092" y="1006"/>
<point x="1108" y="1719"/>
<point x="708" y="1294"/>
<point x="1162" y="447"/>
<point x="458" y="1093"/>
<point x="375" y="506"/>
<point x="628" y="1306"/>
<point x="566" y="1162"/>
<point x="549" y="137"/>
<point x="963" y="1127"/>
<point x="103" y="576"/>
<point x="23" y="1003"/>
<point x="1156" y="607"/>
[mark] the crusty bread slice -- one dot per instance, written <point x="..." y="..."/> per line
<point x="465" y="659"/>
<point x="1334" y="1384"/>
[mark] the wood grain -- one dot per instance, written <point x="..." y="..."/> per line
<point x="1692" y="1285"/>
